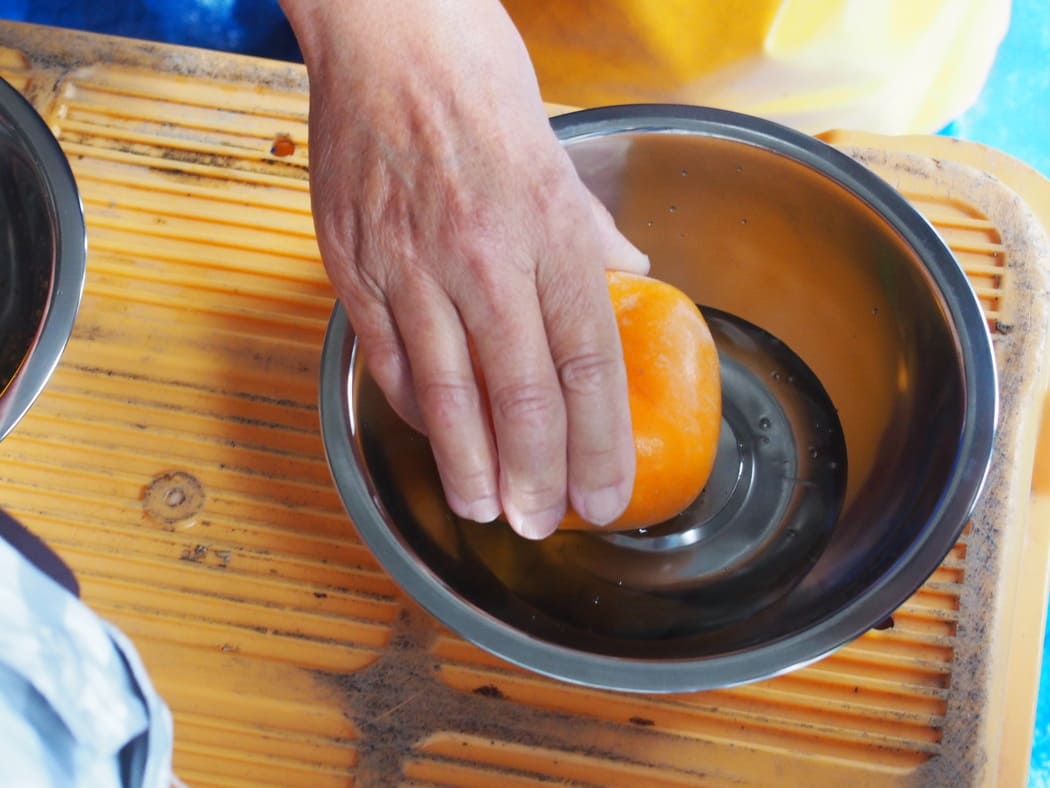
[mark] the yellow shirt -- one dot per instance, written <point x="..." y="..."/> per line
<point x="890" y="66"/>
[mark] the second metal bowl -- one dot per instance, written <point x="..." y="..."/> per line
<point x="43" y="255"/>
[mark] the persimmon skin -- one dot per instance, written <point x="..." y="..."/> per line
<point x="675" y="393"/>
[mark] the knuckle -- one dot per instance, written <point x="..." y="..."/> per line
<point x="378" y="342"/>
<point x="369" y="283"/>
<point x="386" y="362"/>
<point x="446" y="402"/>
<point x="589" y="373"/>
<point x="391" y="372"/>
<point x="527" y="405"/>
<point x="484" y="283"/>
<point x="603" y="459"/>
<point x="494" y="274"/>
<point x="538" y="491"/>
<point x="472" y="480"/>
<point x="470" y="483"/>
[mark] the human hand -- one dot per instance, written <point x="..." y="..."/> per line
<point x="456" y="231"/>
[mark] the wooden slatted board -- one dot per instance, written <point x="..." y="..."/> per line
<point x="286" y="654"/>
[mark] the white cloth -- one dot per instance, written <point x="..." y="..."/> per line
<point x="76" y="705"/>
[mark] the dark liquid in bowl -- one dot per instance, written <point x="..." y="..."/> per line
<point x="25" y="268"/>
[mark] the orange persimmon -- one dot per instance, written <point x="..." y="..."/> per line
<point x="675" y="393"/>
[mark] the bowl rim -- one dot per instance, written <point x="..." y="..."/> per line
<point x="69" y="262"/>
<point x="875" y="603"/>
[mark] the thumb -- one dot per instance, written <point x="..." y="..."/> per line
<point x="619" y="254"/>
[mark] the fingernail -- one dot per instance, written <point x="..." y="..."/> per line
<point x="484" y="510"/>
<point x="643" y="264"/>
<point x="633" y="260"/>
<point x="535" y="525"/>
<point x="602" y="506"/>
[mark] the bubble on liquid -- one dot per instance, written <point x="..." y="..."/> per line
<point x="596" y="598"/>
<point x="776" y="375"/>
<point x="643" y="530"/>
<point x="791" y="379"/>
<point x="619" y="582"/>
<point x="764" y="423"/>
<point x="672" y="208"/>
<point x="685" y="172"/>
<point x="739" y="168"/>
<point x="833" y="465"/>
<point x="743" y="221"/>
<point x="764" y="440"/>
<point x="649" y="223"/>
<point x="875" y="311"/>
<point x="813" y="453"/>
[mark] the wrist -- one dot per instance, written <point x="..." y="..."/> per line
<point x="321" y="29"/>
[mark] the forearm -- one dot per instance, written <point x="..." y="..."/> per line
<point x="407" y="36"/>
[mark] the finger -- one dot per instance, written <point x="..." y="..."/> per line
<point x="385" y="356"/>
<point x="617" y="253"/>
<point x="528" y="414"/>
<point x="585" y="347"/>
<point x="449" y="401"/>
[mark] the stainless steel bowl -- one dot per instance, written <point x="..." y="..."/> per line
<point x="43" y="258"/>
<point x="860" y="408"/>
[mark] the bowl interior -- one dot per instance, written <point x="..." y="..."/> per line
<point x="758" y="229"/>
<point x="762" y="236"/>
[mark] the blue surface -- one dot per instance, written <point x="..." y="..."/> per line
<point x="249" y="27"/>
<point x="1012" y="112"/>
<point x="1039" y="774"/>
